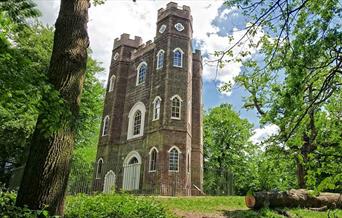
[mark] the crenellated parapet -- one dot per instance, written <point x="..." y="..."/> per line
<point x="142" y="49"/>
<point x="173" y="8"/>
<point x="125" y="40"/>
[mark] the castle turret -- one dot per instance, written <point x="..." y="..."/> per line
<point x="197" y="124"/>
<point x="150" y="118"/>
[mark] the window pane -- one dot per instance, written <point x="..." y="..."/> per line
<point x="142" y="74"/>
<point x="153" y="160"/>
<point x="175" y="108"/>
<point x="111" y="83"/>
<point x="106" y="126"/>
<point x="137" y="123"/>
<point x="177" y="59"/>
<point x="160" y="60"/>
<point x="156" y="111"/>
<point x="173" y="160"/>
<point x="99" y="168"/>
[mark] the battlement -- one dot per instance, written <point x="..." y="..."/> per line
<point x="125" y="40"/>
<point x="173" y="8"/>
<point x="142" y="49"/>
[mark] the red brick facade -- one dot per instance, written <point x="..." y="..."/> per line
<point x="116" y="148"/>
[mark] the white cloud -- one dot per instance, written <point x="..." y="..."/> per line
<point x="214" y="42"/>
<point x="262" y="134"/>
<point x="110" y="20"/>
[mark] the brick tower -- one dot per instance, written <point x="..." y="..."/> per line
<point x="151" y="134"/>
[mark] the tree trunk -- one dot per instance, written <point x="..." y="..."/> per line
<point x="293" y="198"/>
<point x="47" y="169"/>
<point x="300" y="174"/>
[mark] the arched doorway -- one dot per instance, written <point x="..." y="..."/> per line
<point x="131" y="166"/>
<point x="109" y="182"/>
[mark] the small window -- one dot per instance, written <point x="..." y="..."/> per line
<point x="141" y="73"/>
<point x="162" y="28"/>
<point x="111" y="83"/>
<point x="116" y="56"/>
<point x="173" y="159"/>
<point x="105" y="126"/>
<point x="137" y="123"/>
<point x="99" y="168"/>
<point x="175" y="107"/>
<point x="178" y="57"/>
<point x="153" y="159"/>
<point x="160" y="59"/>
<point x="179" y="27"/>
<point x="156" y="108"/>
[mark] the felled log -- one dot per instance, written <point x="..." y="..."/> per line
<point x="293" y="198"/>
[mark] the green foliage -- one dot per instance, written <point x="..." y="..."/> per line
<point x="9" y="210"/>
<point x="113" y="206"/>
<point x="22" y="81"/>
<point x="24" y="63"/>
<point x="89" y="122"/>
<point x="231" y="206"/>
<point x="18" y="10"/>
<point x="297" y="81"/>
<point x="227" y="150"/>
<point x="274" y="171"/>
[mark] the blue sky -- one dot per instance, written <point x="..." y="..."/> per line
<point x="212" y="24"/>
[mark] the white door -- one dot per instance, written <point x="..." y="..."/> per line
<point x="109" y="182"/>
<point x="131" y="174"/>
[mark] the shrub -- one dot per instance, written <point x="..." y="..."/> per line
<point x="9" y="210"/>
<point x="113" y="206"/>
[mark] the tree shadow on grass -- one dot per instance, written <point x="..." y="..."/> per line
<point x="243" y="214"/>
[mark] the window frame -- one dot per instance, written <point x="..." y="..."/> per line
<point x="137" y="123"/>
<point x="112" y="81"/>
<point x="98" y="175"/>
<point x="105" y="124"/>
<point x="180" y="107"/>
<point x="161" y="51"/>
<point x="181" y="57"/>
<point x="153" y="149"/>
<point x="178" y="158"/>
<point x="142" y="64"/>
<point x="154" y="118"/>
<point x="130" y="129"/>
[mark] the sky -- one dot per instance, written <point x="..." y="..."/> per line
<point x="212" y="24"/>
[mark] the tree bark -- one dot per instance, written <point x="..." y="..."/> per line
<point x="47" y="169"/>
<point x="293" y="198"/>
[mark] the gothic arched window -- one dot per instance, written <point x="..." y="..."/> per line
<point x="176" y="103"/>
<point x="105" y="128"/>
<point x="137" y="123"/>
<point x="174" y="159"/>
<point x="156" y="108"/>
<point x="111" y="83"/>
<point x="153" y="159"/>
<point x="136" y="120"/>
<point x="178" y="57"/>
<point x="160" y="59"/>
<point x="141" y="73"/>
<point x="99" y="168"/>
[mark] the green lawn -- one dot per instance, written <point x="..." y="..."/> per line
<point x="230" y="206"/>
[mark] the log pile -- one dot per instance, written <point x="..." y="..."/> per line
<point x="294" y="198"/>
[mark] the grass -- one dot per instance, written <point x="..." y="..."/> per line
<point x="230" y="206"/>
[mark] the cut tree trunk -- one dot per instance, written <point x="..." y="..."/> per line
<point x="293" y="198"/>
<point x="47" y="169"/>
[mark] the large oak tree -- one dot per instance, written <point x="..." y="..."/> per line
<point x="47" y="169"/>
